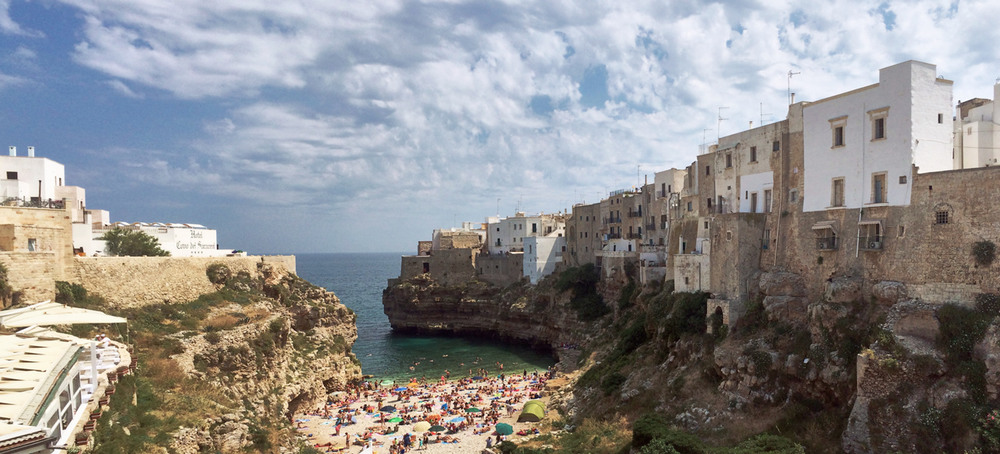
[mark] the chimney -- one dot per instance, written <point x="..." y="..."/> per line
<point x="13" y="150"/>
<point x="31" y="152"/>
<point x="793" y="98"/>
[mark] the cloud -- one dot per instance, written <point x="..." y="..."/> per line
<point x="123" y="89"/>
<point x="9" y="27"/>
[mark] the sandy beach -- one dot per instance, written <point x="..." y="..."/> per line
<point x="377" y="419"/>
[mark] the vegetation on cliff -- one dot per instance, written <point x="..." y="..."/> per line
<point x="224" y="372"/>
<point x="135" y="243"/>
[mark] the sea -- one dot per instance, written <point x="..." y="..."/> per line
<point x="358" y="280"/>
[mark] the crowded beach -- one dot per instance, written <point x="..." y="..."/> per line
<point x="439" y="416"/>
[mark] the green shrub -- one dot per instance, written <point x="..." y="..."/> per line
<point x="612" y="382"/>
<point x="652" y="426"/>
<point x="769" y="444"/>
<point x="658" y="446"/>
<point x="687" y="314"/>
<point x="218" y="273"/>
<point x="213" y="337"/>
<point x="506" y="447"/>
<point x="988" y="303"/>
<point x="585" y="300"/>
<point x="960" y="330"/>
<point x="627" y="297"/>
<point x="984" y="252"/>
<point x="71" y="294"/>
<point x="753" y="321"/>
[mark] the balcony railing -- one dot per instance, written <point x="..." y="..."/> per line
<point x="634" y="236"/>
<point x="612" y="220"/>
<point x="651" y="227"/>
<point x="829" y="243"/>
<point x="34" y="202"/>
<point x="612" y="236"/>
<point x="870" y="243"/>
<point x="635" y="214"/>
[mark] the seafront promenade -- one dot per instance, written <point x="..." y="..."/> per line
<point x="443" y="416"/>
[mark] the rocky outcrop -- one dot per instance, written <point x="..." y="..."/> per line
<point x="782" y="283"/>
<point x="889" y="292"/>
<point x="842" y="290"/>
<point x="520" y="313"/>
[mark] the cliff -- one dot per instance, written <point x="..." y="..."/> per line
<point x="518" y="313"/>
<point x="226" y="371"/>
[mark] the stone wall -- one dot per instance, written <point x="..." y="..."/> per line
<point x="448" y="266"/>
<point x="500" y="269"/>
<point x="139" y="281"/>
<point x="32" y="274"/>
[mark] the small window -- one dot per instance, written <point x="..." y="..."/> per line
<point x="32" y="244"/>
<point x="706" y="224"/>
<point x="709" y="200"/>
<point x="11" y="175"/>
<point x="689" y="206"/>
<point x="753" y="154"/>
<point x="776" y="146"/>
<point x="902" y="231"/>
<point x="708" y="170"/>
<point x="729" y="160"/>
<point x="838" y="136"/>
<point x="729" y="235"/>
<point x="878" y="129"/>
<point x="837" y="194"/>
<point x="793" y="195"/>
<point x="878" y="188"/>
<point x="940" y="118"/>
<point x="941" y="217"/>
<point x="902" y="179"/>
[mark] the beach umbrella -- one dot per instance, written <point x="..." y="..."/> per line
<point x="413" y="384"/>
<point x="505" y="429"/>
<point x="422" y="426"/>
<point x="477" y="377"/>
<point x="401" y="388"/>
<point x="433" y="417"/>
<point x="437" y="428"/>
<point x="387" y="409"/>
<point x="458" y="419"/>
<point x="473" y="410"/>
<point x="396" y="419"/>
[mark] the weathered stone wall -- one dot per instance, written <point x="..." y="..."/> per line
<point x="32" y="274"/>
<point x="500" y="270"/>
<point x="139" y="281"/>
<point x="460" y="240"/>
<point x="448" y="266"/>
<point x="736" y="247"/>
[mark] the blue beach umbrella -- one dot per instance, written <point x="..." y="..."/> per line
<point x="401" y="388"/>
<point x="458" y="419"/>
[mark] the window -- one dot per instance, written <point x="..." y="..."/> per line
<point x="902" y="231"/>
<point x="11" y="175"/>
<point x="902" y="179"/>
<point x="776" y="146"/>
<point x="729" y="160"/>
<point x="753" y="154"/>
<point x="767" y="239"/>
<point x="767" y="200"/>
<point x="534" y="228"/>
<point x="793" y="195"/>
<point x="878" y="129"/>
<point x="941" y="217"/>
<point x="689" y="206"/>
<point x="753" y="202"/>
<point x="837" y="129"/>
<point x="32" y="244"/>
<point x="708" y="170"/>
<point x="940" y="118"/>
<point x="709" y="200"/>
<point x="878" y="117"/>
<point x="878" y="188"/>
<point x="837" y="193"/>
<point x="706" y="224"/>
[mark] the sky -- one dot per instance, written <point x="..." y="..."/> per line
<point x="334" y="126"/>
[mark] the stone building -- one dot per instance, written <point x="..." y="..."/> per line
<point x="583" y="234"/>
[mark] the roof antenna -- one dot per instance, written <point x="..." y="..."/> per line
<point x="790" y="74"/>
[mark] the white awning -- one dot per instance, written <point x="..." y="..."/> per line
<point x="870" y="222"/>
<point x="823" y="225"/>
<point x="49" y="313"/>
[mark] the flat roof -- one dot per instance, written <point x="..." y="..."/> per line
<point x="29" y="367"/>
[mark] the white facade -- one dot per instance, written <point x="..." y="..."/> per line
<point x="508" y="235"/>
<point x="977" y="136"/>
<point x="180" y="240"/>
<point x="870" y="138"/>
<point x="542" y="254"/>
<point x="758" y="192"/>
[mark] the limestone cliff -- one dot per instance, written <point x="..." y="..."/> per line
<point x="518" y="313"/>
<point x="226" y="371"/>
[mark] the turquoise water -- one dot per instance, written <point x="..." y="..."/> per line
<point x="358" y="280"/>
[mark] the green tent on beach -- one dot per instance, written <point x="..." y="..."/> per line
<point x="534" y="411"/>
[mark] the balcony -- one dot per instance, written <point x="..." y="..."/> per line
<point x="635" y="214"/>
<point x="612" y="220"/>
<point x="829" y="243"/>
<point x="613" y="236"/>
<point x="634" y="236"/>
<point x="651" y="227"/>
<point x="870" y="243"/>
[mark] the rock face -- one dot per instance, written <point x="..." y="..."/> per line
<point x="290" y="352"/>
<point x="519" y="313"/>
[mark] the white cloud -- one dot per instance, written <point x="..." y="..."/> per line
<point x="123" y="89"/>
<point x="9" y="27"/>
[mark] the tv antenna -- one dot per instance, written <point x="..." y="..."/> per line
<point x="790" y="74"/>
<point x="718" y="130"/>
<point x="762" y="114"/>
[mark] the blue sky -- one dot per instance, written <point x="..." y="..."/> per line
<point x="353" y="127"/>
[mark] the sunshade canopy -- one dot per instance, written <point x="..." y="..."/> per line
<point x="49" y="313"/>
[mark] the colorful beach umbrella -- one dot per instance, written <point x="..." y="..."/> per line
<point x="473" y="410"/>
<point x="438" y="428"/>
<point x="413" y="384"/>
<point x="387" y="409"/>
<point x="422" y="426"/>
<point x="401" y="388"/>
<point x="505" y="429"/>
<point x="458" y="419"/>
<point x="396" y="419"/>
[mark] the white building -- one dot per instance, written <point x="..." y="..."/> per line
<point x="180" y="240"/>
<point x="39" y="182"/>
<point x="860" y="146"/>
<point x="508" y="234"/>
<point x="977" y="135"/>
<point x="542" y="254"/>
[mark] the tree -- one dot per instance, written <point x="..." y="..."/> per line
<point x="125" y="242"/>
